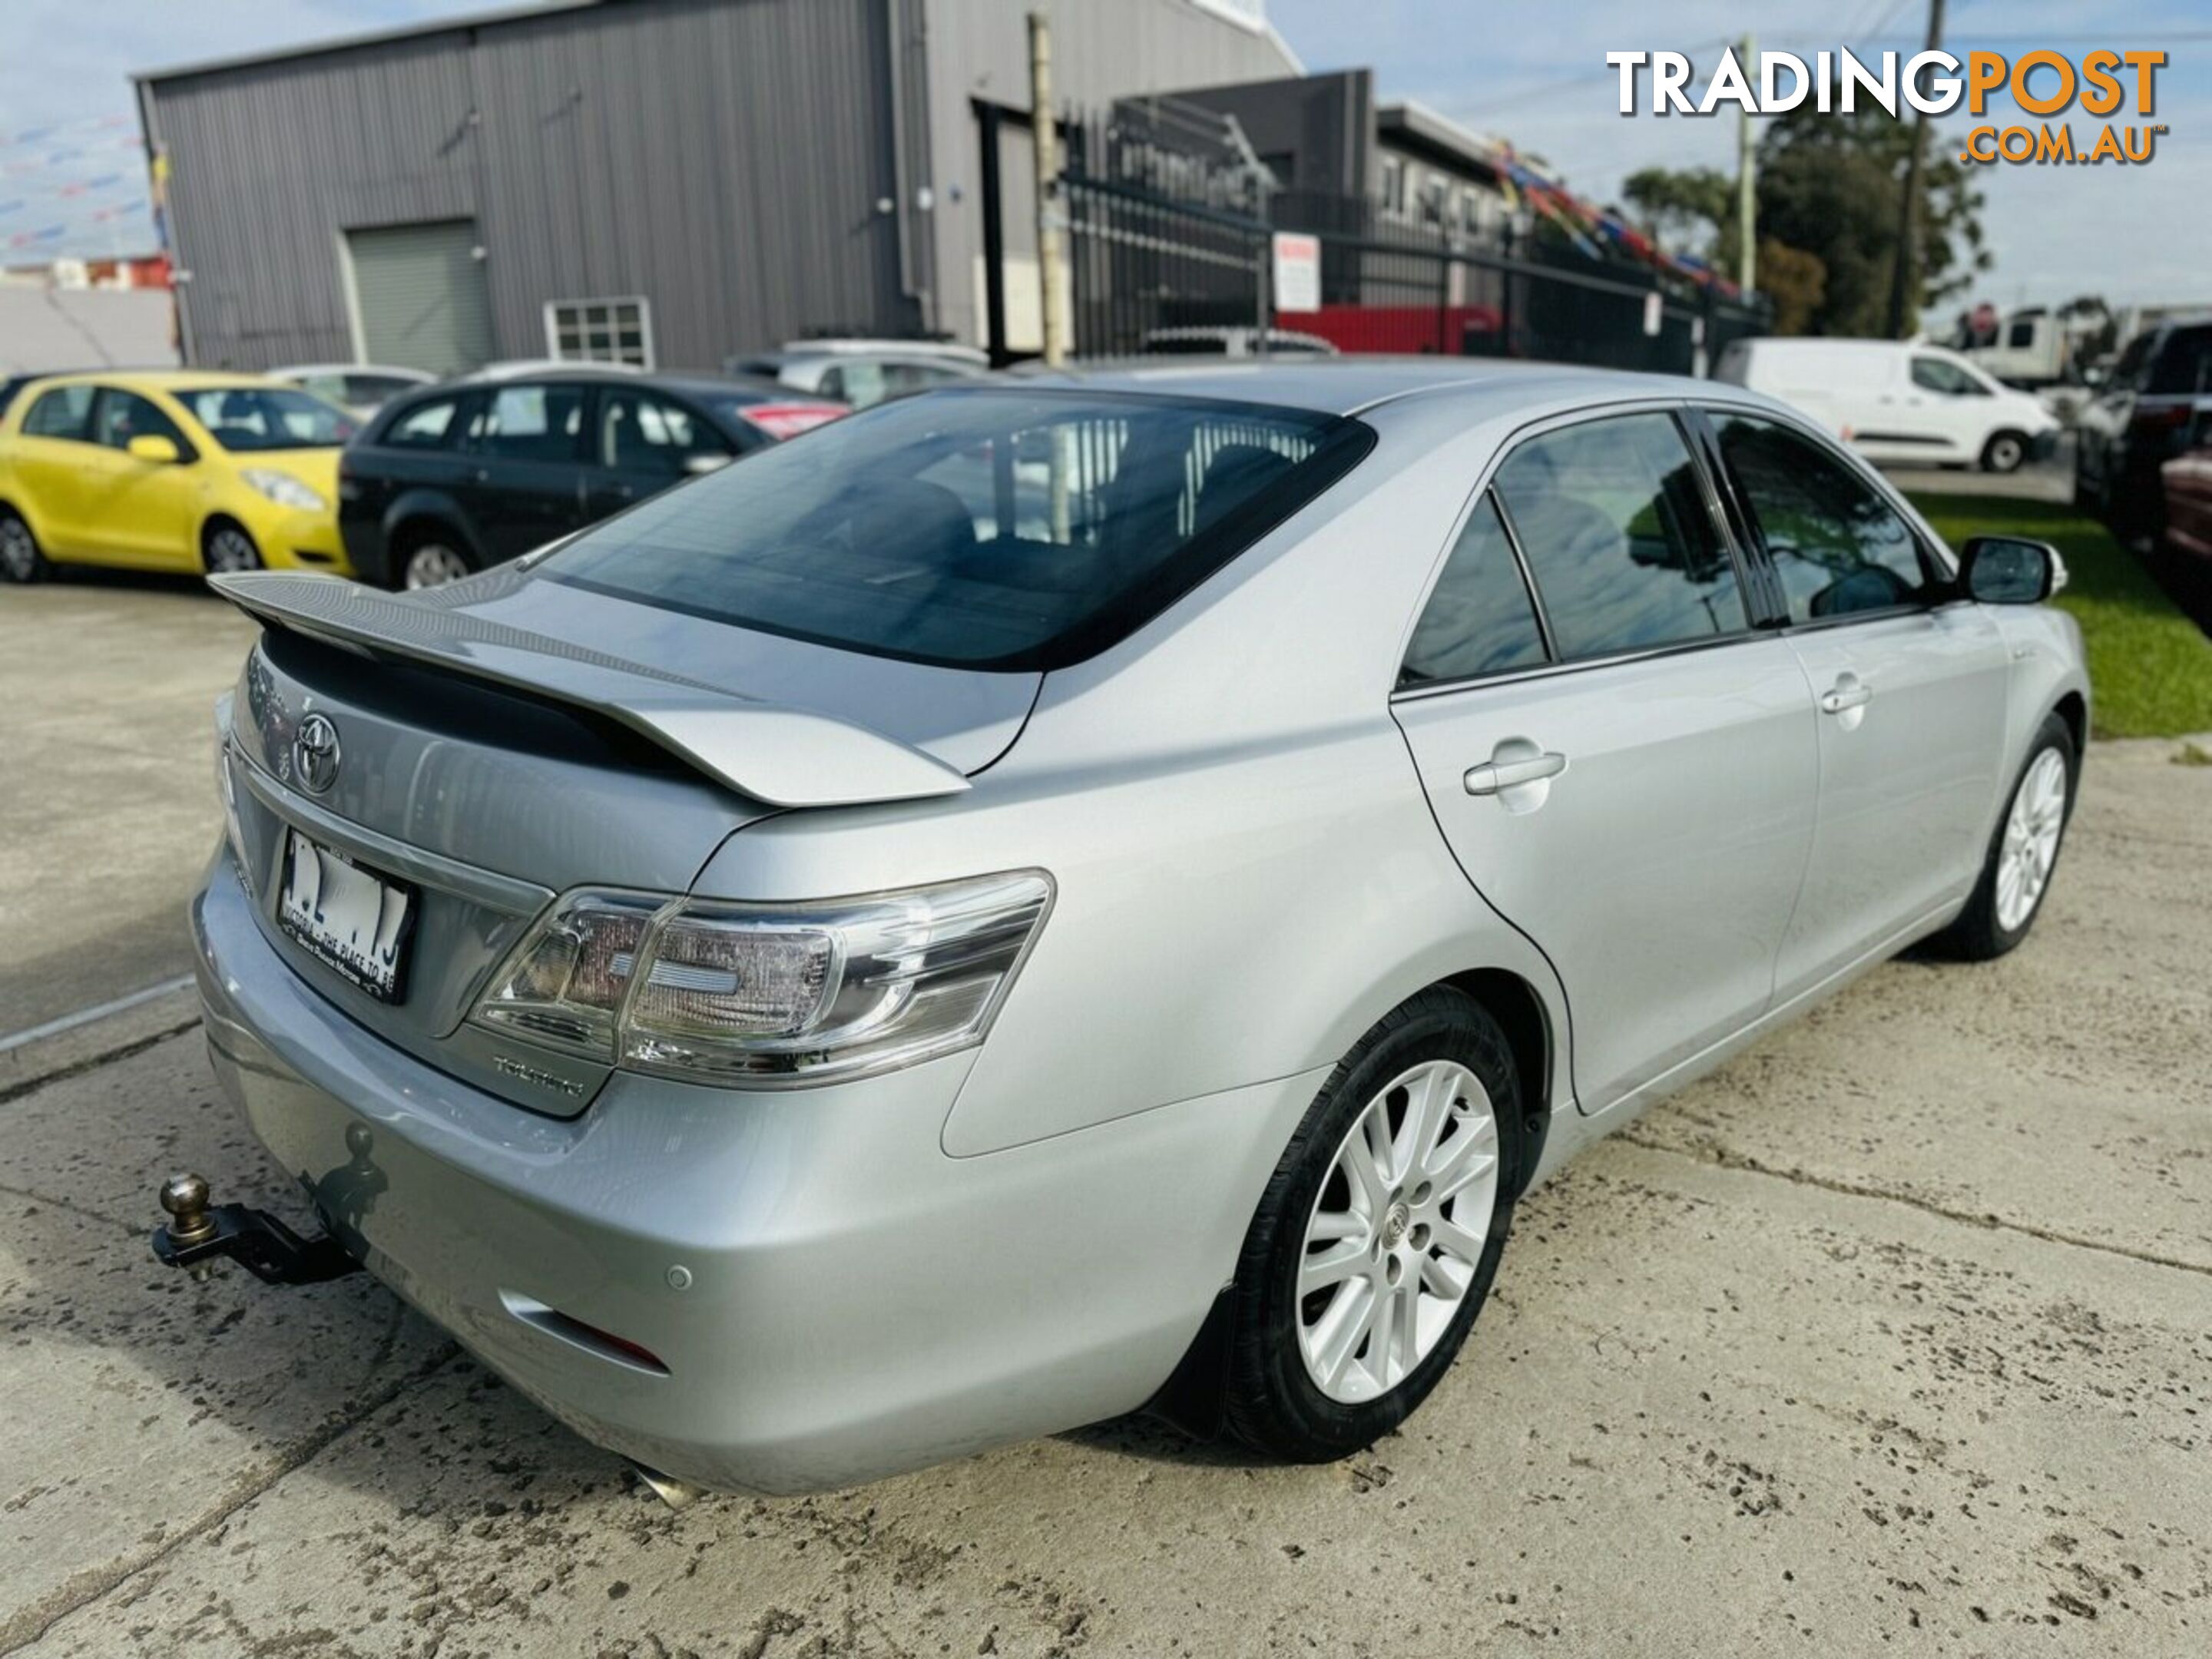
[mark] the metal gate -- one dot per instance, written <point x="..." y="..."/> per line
<point x="1161" y="242"/>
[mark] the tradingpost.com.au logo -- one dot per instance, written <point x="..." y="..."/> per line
<point x="2042" y="83"/>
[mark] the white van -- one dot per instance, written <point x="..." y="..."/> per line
<point x="1902" y="401"/>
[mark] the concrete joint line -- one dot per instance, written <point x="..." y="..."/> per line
<point x="1736" y="1161"/>
<point x="31" y="1626"/>
<point x="23" y="1086"/>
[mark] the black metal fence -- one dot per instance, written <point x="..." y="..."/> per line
<point x="1166" y="249"/>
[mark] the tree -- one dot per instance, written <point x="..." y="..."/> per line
<point x="1829" y="184"/>
<point x="1828" y="189"/>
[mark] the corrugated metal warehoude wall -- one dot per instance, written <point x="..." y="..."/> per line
<point x="723" y="158"/>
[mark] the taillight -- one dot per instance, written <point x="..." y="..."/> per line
<point x="2160" y="420"/>
<point x="781" y="421"/>
<point x="713" y="991"/>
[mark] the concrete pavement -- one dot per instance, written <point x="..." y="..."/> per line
<point x="1895" y="1336"/>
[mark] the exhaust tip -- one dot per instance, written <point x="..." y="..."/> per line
<point x="669" y="1490"/>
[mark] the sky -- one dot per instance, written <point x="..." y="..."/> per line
<point x="72" y="181"/>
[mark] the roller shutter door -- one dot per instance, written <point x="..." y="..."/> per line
<point x="419" y="290"/>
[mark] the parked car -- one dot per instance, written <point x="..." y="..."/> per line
<point x="2157" y="394"/>
<point x="363" y="388"/>
<point x="2185" y="491"/>
<point x="1236" y="343"/>
<point x="470" y="474"/>
<point x="832" y="970"/>
<point x="863" y="373"/>
<point x="1903" y="402"/>
<point x="173" y="470"/>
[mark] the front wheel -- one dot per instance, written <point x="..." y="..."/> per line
<point x="2023" y="852"/>
<point x="226" y="550"/>
<point x="1375" y="1243"/>
<point x="2004" y="451"/>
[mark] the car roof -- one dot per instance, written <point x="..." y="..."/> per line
<point x="167" y="379"/>
<point x="392" y="369"/>
<point x="1349" y="384"/>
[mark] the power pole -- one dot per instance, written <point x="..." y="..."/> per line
<point x="1046" y="139"/>
<point x="1906" y="266"/>
<point x="1747" y="185"/>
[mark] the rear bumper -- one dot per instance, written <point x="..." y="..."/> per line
<point x="853" y="1301"/>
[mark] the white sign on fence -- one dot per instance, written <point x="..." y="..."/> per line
<point x="1297" y="271"/>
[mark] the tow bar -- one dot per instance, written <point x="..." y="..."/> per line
<point x="197" y="1234"/>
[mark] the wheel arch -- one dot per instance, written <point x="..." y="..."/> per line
<point x="1519" y="1010"/>
<point x="2074" y="708"/>
<point x="218" y="520"/>
<point x="417" y="511"/>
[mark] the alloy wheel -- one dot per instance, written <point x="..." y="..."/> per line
<point x="19" y="553"/>
<point x="2030" y="840"/>
<point x="230" y="551"/>
<point x="1397" y="1231"/>
<point x="433" y="565"/>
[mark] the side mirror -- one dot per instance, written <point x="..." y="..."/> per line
<point x="154" y="448"/>
<point x="2010" y="570"/>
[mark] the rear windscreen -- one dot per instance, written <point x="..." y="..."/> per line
<point x="996" y="527"/>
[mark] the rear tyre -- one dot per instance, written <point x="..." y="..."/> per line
<point x="2023" y="851"/>
<point x="21" y="560"/>
<point x="1378" y="1238"/>
<point x="431" y="564"/>
<point x="2004" y="451"/>
<point x="225" y="550"/>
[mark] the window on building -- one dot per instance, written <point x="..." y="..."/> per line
<point x="1394" y="185"/>
<point x="600" y="332"/>
<point x="2022" y="334"/>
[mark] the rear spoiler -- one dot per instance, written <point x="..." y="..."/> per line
<point x="782" y="756"/>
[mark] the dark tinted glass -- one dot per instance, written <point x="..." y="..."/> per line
<point x="1480" y="619"/>
<point x="641" y="432"/>
<point x="1836" y="544"/>
<point x="1000" y="528"/>
<point x="425" y="426"/>
<point x="533" y="423"/>
<point x="64" y="412"/>
<point x="122" y="416"/>
<point x="2182" y="367"/>
<point x="1620" y="540"/>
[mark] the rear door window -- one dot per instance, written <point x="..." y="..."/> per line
<point x="63" y="412"/>
<point x="1836" y="546"/>
<point x="533" y="423"/>
<point x="1011" y="528"/>
<point x="1624" y="549"/>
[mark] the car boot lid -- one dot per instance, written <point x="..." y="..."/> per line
<point x="770" y="751"/>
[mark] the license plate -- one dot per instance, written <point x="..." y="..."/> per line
<point x="352" y="920"/>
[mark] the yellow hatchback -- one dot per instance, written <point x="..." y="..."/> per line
<point x="173" y="470"/>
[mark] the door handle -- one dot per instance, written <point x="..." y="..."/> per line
<point x="1844" y="696"/>
<point x="1492" y="776"/>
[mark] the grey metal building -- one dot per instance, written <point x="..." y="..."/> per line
<point x="661" y="181"/>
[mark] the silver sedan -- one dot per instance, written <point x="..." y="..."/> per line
<point x="1074" y="894"/>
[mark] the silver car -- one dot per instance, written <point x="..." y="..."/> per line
<point x="1061" y="896"/>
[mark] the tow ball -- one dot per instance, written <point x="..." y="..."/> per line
<point x="199" y="1233"/>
